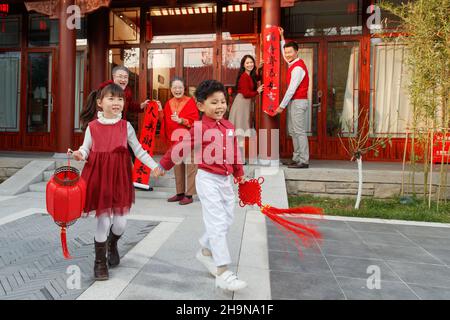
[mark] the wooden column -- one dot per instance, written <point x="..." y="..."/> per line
<point x="66" y="80"/>
<point x="98" y="35"/>
<point x="270" y="16"/>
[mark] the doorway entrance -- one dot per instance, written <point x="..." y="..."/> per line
<point x="334" y="67"/>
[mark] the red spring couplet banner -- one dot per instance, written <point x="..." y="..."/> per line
<point x="141" y="173"/>
<point x="271" y="76"/>
<point x="438" y="151"/>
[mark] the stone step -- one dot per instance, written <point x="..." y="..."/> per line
<point x="165" y="181"/>
<point x="38" y="187"/>
<point x="158" y="193"/>
<point x="48" y="175"/>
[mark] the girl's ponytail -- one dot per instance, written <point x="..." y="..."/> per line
<point x="89" y="110"/>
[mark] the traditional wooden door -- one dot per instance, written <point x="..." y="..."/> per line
<point x="333" y="65"/>
<point x="38" y="112"/>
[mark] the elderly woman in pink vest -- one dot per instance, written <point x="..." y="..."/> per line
<point x="296" y="99"/>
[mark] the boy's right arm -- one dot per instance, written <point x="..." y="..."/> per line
<point x="189" y="143"/>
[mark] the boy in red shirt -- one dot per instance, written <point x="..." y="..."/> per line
<point x="218" y="160"/>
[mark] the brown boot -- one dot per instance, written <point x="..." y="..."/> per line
<point x="113" y="253"/>
<point x="100" y="267"/>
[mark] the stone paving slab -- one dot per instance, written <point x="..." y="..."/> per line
<point x="32" y="264"/>
<point x="413" y="262"/>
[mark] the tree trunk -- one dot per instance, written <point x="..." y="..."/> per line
<point x="360" y="182"/>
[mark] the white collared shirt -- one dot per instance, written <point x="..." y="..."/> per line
<point x="297" y="76"/>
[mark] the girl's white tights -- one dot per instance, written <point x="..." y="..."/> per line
<point x="104" y="224"/>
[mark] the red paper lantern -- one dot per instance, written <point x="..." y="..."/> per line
<point x="65" y="197"/>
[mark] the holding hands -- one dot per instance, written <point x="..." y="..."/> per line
<point x="158" y="172"/>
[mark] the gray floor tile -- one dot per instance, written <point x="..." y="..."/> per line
<point x="422" y="274"/>
<point x="441" y="254"/>
<point x="283" y="244"/>
<point x="395" y="239"/>
<point x="293" y="262"/>
<point x="431" y="293"/>
<point x="347" y="249"/>
<point x="304" y="286"/>
<point x="430" y="242"/>
<point x="357" y="289"/>
<point x="335" y="224"/>
<point x="39" y="233"/>
<point x="372" y="226"/>
<point x="338" y="234"/>
<point x="405" y="254"/>
<point x="424" y="231"/>
<point x="163" y="280"/>
<point x="358" y="268"/>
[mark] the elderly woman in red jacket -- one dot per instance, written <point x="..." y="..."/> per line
<point x="179" y="113"/>
<point x="243" y="104"/>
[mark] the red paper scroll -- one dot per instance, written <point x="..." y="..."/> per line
<point x="271" y="76"/>
<point x="141" y="173"/>
<point x="437" y="148"/>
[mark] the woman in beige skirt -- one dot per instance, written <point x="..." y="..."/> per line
<point x="243" y="104"/>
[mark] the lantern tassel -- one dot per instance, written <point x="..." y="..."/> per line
<point x="298" y="229"/>
<point x="294" y="231"/>
<point x="64" y="244"/>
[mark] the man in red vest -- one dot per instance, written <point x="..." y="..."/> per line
<point x="296" y="97"/>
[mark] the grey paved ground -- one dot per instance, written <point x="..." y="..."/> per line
<point x="413" y="262"/>
<point x="31" y="262"/>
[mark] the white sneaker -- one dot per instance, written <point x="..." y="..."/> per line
<point x="208" y="262"/>
<point x="229" y="281"/>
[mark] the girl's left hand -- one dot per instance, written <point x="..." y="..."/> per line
<point x="77" y="155"/>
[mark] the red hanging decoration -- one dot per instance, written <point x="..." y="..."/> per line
<point x="65" y="198"/>
<point x="141" y="174"/>
<point x="250" y="194"/>
<point x="4" y="10"/>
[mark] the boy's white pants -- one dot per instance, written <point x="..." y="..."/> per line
<point x="217" y="198"/>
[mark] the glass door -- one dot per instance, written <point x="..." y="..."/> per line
<point x="342" y="88"/>
<point x="39" y="124"/>
<point x="197" y="67"/>
<point x="311" y="54"/>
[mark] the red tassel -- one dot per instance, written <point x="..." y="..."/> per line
<point x="294" y="231"/>
<point x="304" y="210"/>
<point x="250" y="194"/>
<point x="64" y="244"/>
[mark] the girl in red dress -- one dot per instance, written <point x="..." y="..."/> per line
<point x="108" y="174"/>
